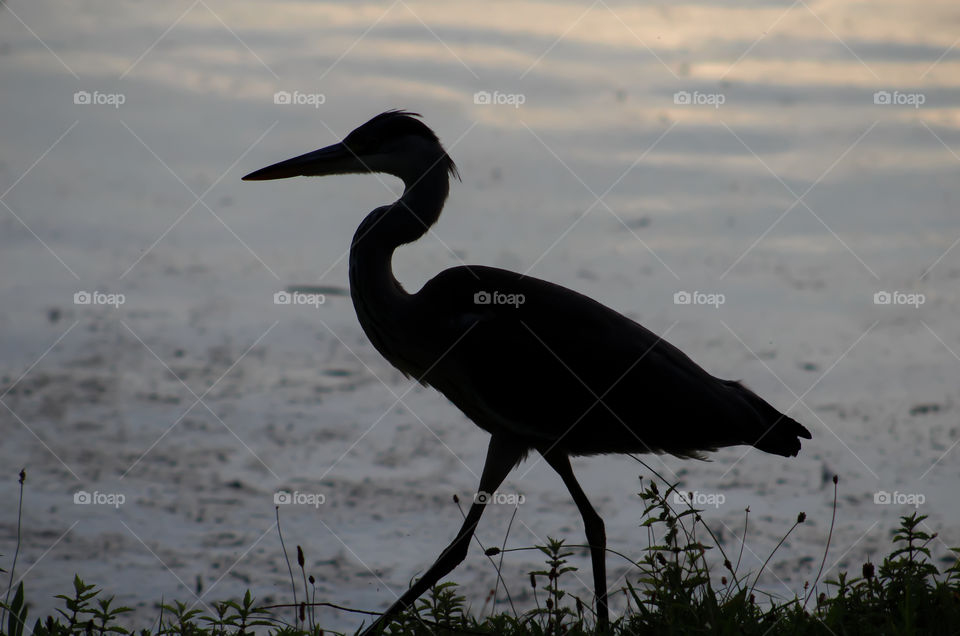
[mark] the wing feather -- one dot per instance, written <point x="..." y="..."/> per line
<point x="552" y="366"/>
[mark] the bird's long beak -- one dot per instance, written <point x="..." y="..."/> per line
<point x="335" y="159"/>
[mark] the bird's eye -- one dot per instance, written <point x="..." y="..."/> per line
<point x="363" y="144"/>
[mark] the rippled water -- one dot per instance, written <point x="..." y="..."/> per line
<point x="787" y="185"/>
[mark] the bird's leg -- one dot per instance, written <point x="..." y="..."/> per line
<point x="596" y="535"/>
<point x="502" y="456"/>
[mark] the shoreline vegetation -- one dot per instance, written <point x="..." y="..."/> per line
<point x="673" y="591"/>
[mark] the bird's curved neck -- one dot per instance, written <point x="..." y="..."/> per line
<point x="377" y="295"/>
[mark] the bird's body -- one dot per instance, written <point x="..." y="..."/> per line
<point x="563" y="370"/>
<point x="538" y="366"/>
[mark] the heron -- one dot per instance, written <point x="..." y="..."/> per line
<point x="538" y="366"/>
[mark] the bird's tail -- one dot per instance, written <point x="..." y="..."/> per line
<point x="777" y="434"/>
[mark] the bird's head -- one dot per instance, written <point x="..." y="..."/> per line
<point x="394" y="142"/>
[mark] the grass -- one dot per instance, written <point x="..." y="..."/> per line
<point x="672" y="591"/>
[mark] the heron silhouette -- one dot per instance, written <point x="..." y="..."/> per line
<point x="538" y="366"/>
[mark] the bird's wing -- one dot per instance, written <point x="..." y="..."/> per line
<point x="549" y="364"/>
